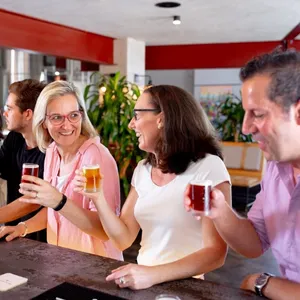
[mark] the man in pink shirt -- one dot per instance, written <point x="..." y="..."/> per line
<point x="271" y="100"/>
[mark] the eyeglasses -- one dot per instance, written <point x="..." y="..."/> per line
<point x="73" y="117"/>
<point x="144" y="109"/>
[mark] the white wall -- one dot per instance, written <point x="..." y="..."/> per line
<point x="192" y="80"/>
<point x="181" y="78"/>
<point x="129" y="59"/>
<point x="206" y="77"/>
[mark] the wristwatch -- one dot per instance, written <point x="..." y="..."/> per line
<point x="260" y="283"/>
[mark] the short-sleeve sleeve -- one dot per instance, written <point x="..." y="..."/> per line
<point x="256" y="217"/>
<point x="136" y="172"/>
<point x="217" y="171"/>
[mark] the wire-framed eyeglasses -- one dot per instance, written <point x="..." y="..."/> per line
<point x="73" y="117"/>
<point x="144" y="109"/>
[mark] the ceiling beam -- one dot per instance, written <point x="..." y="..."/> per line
<point x="289" y="38"/>
<point x="22" y="32"/>
<point x="231" y="55"/>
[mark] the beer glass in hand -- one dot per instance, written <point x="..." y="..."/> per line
<point x="93" y="178"/>
<point x="30" y="169"/>
<point x="199" y="194"/>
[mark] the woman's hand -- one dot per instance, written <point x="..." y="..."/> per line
<point x="39" y="191"/>
<point x="217" y="202"/>
<point x="12" y="232"/>
<point x="135" y="277"/>
<point x="79" y="183"/>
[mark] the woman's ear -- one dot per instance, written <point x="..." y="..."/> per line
<point x="160" y="123"/>
<point x="44" y="125"/>
<point x="297" y="112"/>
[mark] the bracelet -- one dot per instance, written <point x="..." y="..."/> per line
<point x="62" y="203"/>
<point x="26" y="229"/>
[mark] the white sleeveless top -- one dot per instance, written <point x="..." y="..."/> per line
<point x="169" y="233"/>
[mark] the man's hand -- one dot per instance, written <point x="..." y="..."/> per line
<point x="249" y="282"/>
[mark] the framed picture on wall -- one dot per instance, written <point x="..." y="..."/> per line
<point x="211" y="96"/>
<point x="215" y="93"/>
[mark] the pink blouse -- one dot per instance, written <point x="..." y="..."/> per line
<point x="60" y="231"/>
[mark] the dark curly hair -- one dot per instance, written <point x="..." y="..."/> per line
<point x="283" y="67"/>
<point x="187" y="134"/>
<point x="27" y="92"/>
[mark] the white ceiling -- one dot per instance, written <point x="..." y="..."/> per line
<point x="203" y="21"/>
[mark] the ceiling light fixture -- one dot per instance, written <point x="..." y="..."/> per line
<point x="176" y="20"/>
<point x="167" y="4"/>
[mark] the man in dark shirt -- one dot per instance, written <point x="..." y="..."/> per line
<point x="20" y="147"/>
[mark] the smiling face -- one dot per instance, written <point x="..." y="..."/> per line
<point x="276" y="131"/>
<point x="67" y="133"/>
<point x="146" y="123"/>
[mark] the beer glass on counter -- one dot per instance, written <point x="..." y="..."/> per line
<point x="30" y="169"/>
<point x="167" y="297"/>
<point x="93" y="178"/>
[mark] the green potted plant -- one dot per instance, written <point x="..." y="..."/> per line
<point x="110" y="102"/>
<point x="230" y="120"/>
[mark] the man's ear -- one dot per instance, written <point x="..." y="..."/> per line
<point x="28" y="114"/>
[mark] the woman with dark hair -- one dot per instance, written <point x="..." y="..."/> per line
<point x="181" y="145"/>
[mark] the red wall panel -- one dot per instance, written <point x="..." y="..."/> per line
<point x="204" y="55"/>
<point x="18" y="31"/>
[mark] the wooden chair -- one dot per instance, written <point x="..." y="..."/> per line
<point x="245" y="163"/>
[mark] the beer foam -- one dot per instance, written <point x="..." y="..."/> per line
<point x="201" y="182"/>
<point x="91" y="167"/>
<point x="30" y="166"/>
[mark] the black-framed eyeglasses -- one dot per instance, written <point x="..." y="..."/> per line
<point x="73" y="117"/>
<point x="144" y="109"/>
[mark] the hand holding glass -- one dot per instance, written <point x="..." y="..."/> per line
<point x="93" y="178"/>
<point x="199" y="194"/>
<point x="30" y="169"/>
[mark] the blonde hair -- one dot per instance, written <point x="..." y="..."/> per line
<point x="50" y="92"/>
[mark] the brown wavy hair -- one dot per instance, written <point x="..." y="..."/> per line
<point x="187" y="134"/>
<point x="27" y="92"/>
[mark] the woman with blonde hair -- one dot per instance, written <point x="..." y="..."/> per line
<point x="64" y="132"/>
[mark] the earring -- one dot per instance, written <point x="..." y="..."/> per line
<point x="159" y="126"/>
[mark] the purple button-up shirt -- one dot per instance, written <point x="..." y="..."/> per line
<point x="275" y="215"/>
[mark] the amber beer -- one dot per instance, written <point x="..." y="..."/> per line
<point x="199" y="194"/>
<point x="93" y="177"/>
<point x="30" y="169"/>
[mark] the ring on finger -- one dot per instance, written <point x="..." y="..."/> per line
<point x="36" y="195"/>
<point x="122" y="280"/>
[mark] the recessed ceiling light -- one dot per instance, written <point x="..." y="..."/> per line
<point x="176" y="20"/>
<point x="167" y="4"/>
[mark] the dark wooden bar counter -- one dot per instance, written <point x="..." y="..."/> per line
<point x="47" y="266"/>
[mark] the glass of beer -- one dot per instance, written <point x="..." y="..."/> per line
<point x="93" y="178"/>
<point x="30" y="169"/>
<point x="199" y="194"/>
